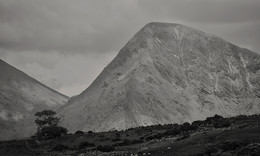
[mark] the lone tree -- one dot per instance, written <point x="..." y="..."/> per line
<point x="48" y="125"/>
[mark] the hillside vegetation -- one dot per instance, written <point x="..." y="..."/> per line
<point x="216" y="135"/>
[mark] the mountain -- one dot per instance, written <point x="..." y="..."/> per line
<point x="21" y="97"/>
<point x="168" y="73"/>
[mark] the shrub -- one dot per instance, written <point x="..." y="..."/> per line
<point x="215" y="118"/>
<point x="90" y="132"/>
<point x="130" y="142"/>
<point x="60" y="147"/>
<point x="172" y="132"/>
<point x="105" y="148"/>
<point x="125" y="142"/>
<point x="136" y="141"/>
<point x="185" y="126"/>
<point x="85" y="145"/>
<point x="193" y="127"/>
<point x="241" y="117"/>
<point x="79" y="133"/>
<point x="211" y="150"/>
<point x="230" y="146"/>
<point x="52" y="132"/>
<point x="183" y="137"/>
<point x="140" y="140"/>
<point x="197" y="123"/>
<point x="150" y="138"/>
<point x="116" y="139"/>
<point x="117" y="134"/>
<point x="158" y="136"/>
<point x="221" y="124"/>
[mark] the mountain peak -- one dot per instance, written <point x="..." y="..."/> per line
<point x="161" y="24"/>
<point x="168" y="73"/>
<point x="159" y="27"/>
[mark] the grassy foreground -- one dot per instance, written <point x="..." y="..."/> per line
<point x="214" y="136"/>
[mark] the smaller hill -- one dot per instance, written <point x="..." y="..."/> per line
<point x="20" y="97"/>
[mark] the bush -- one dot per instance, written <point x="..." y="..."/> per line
<point x="197" y="123"/>
<point x="52" y="132"/>
<point x="172" y="132"/>
<point x="60" y="148"/>
<point x="183" y="137"/>
<point x="241" y="117"/>
<point x="79" y="133"/>
<point x="117" y="134"/>
<point x="213" y="119"/>
<point x="137" y="141"/>
<point x="85" y="145"/>
<point x="150" y="138"/>
<point x="116" y="139"/>
<point x="185" y="126"/>
<point x="217" y="117"/>
<point x="158" y="136"/>
<point x="230" y="146"/>
<point x="221" y="124"/>
<point x="124" y="143"/>
<point x="193" y="127"/>
<point x="212" y="150"/>
<point x="105" y="148"/>
<point x="130" y="142"/>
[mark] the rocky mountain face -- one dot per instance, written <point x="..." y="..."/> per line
<point x="168" y="73"/>
<point x="21" y="97"/>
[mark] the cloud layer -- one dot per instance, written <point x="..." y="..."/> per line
<point x="44" y="38"/>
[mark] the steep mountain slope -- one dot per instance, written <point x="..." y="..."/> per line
<point x="20" y="97"/>
<point x="168" y="73"/>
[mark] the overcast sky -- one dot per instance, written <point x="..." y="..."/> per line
<point x="65" y="44"/>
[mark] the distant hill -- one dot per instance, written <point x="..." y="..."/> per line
<point x="168" y="73"/>
<point x="20" y="97"/>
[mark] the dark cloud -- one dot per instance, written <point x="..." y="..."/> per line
<point x="62" y="25"/>
<point x="45" y="38"/>
<point x="103" y="26"/>
<point x="212" y="11"/>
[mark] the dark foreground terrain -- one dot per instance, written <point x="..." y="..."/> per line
<point x="215" y="136"/>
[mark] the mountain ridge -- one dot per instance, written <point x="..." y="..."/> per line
<point x="2" y="62"/>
